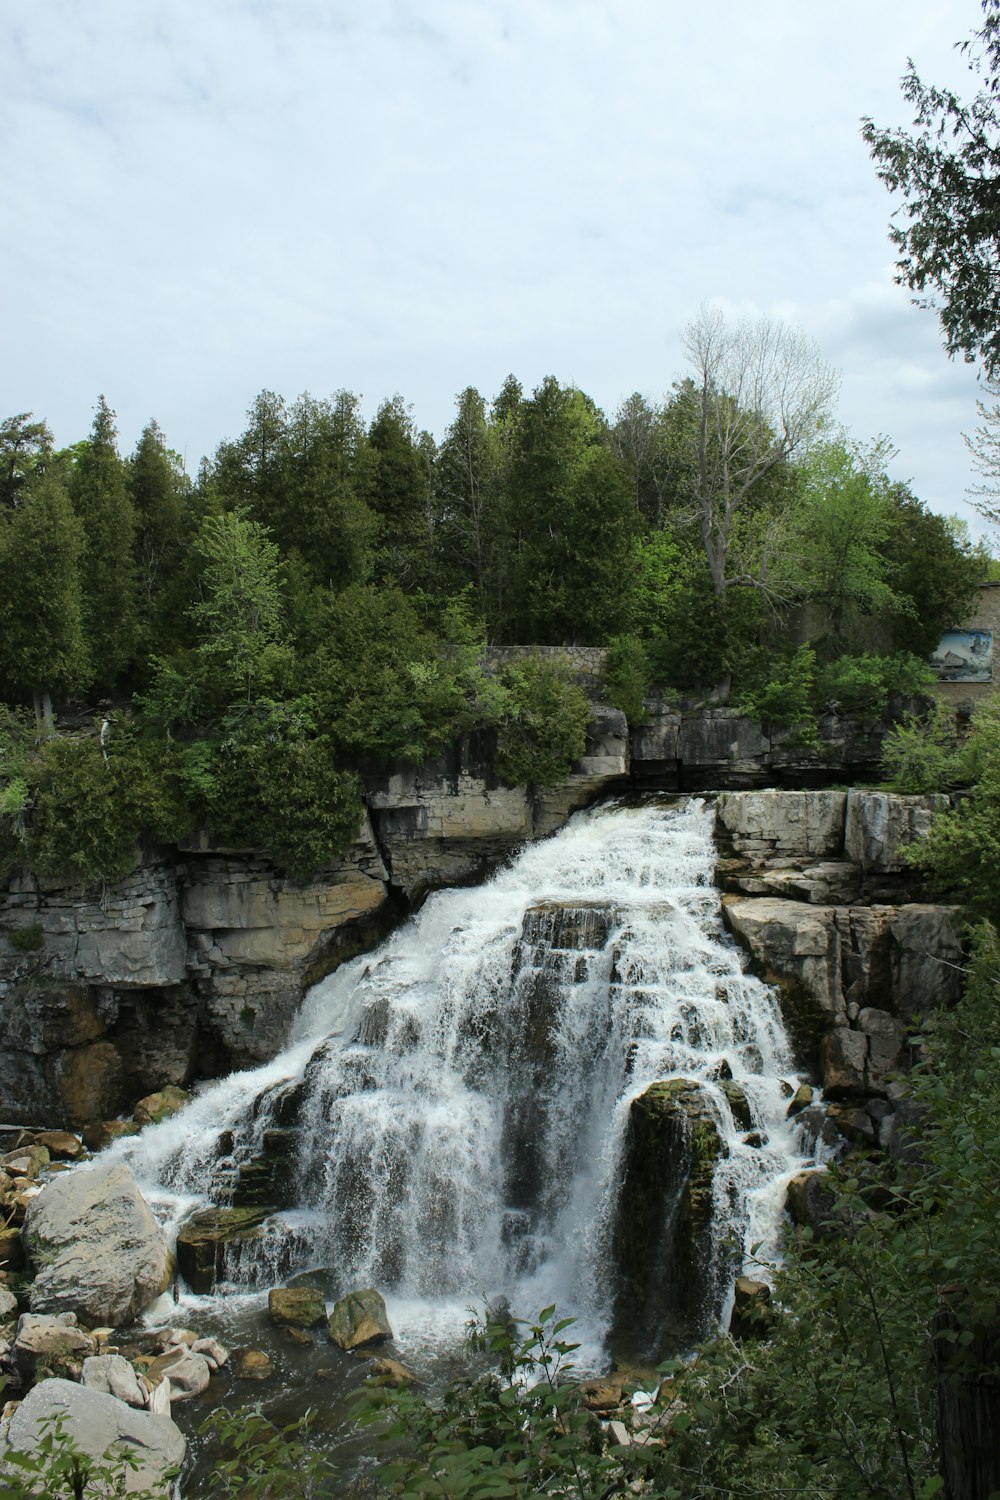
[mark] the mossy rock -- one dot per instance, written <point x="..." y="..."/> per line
<point x="736" y="1098"/>
<point x="359" y="1319"/>
<point x="161" y="1105"/>
<point x="203" y="1241"/>
<point x="296" y="1307"/>
<point x="662" y="1238"/>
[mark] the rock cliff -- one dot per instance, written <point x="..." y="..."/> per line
<point x="196" y="962"/>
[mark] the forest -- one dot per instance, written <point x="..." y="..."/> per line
<point x="236" y="650"/>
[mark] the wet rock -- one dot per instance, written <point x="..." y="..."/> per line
<point x="663" y="1227"/>
<point x="390" y="1372"/>
<point x="844" y="1060"/>
<point x="800" y="1100"/>
<point x="602" y="1394"/>
<point x="96" y="1248"/>
<point x="359" y="1319"/>
<point x="161" y="1105"/>
<point x="736" y="1098"/>
<point x="217" y="1354"/>
<point x="204" y="1240"/>
<point x="95" y="1423"/>
<point x="101" y="1133"/>
<point x="26" y="1161"/>
<point x="251" y="1364"/>
<point x="296" y="1307"/>
<point x="812" y="1202"/>
<point x="61" y="1145"/>
<point x="188" y="1373"/>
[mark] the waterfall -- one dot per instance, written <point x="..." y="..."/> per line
<point x="452" y="1118"/>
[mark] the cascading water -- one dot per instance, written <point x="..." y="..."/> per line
<point x="457" y="1104"/>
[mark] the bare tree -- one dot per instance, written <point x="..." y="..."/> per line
<point x="984" y="446"/>
<point x="762" y="392"/>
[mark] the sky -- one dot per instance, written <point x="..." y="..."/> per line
<point x="201" y="199"/>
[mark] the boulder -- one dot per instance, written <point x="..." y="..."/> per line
<point x="50" y="1346"/>
<point x="96" y="1424"/>
<point x="251" y="1364"/>
<point x="114" y="1376"/>
<point x="95" y="1246"/>
<point x="8" y="1305"/>
<point x="188" y="1373"/>
<point x="61" y="1145"/>
<point x="811" y="1201"/>
<point x="161" y="1105"/>
<point x="390" y="1372"/>
<point x="101" y="1133"/>
<point x="26" y="1161"/>
<point x="296" y="1306"/>
<point x="359" y="1319"/>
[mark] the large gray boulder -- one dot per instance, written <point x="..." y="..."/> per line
<point x="50" y="1346"/>
<point x="95" y="1246"/>
<point x="96" y="1423"/>
<point x="114" y="1376"/>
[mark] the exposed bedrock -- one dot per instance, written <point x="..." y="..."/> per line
<point x="195" y="963"/>
<point x="808" y="876"/>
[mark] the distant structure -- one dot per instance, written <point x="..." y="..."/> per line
<point x="963" y="660"/>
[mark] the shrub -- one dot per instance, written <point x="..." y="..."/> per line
<point x="864" y="684"/>
<point x="921" y="754"/>
<point x="543" y="723"/>
<point x="626" y="677"/>
<point x="785" y="699"/>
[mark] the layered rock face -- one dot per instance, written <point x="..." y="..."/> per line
<point x="195" y="963"/>
<point x="809" y="877"/>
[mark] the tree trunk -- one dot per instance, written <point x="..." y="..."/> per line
<point x="968" y="1389"/>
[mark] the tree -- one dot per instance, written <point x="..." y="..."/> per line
<point x="760" y="393"/>
<point x="401" y="493"/>
<point x="947" y="232"/>
<point x="24" y="448"/>
<point x="240" y="615"/>
<point x="160" y="490"/>
<point x="44" y="651"/>
<point x="99" y="491"/>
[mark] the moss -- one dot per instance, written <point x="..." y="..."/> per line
<point x="25" y="939"/>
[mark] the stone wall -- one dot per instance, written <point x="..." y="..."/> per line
<point x="585" y="662"/>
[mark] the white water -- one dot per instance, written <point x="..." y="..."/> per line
<point x="466" y="1088"/>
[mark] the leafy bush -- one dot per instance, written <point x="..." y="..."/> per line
<point x="864" y="684"/>
<point x="626" y="677"/>
<point x="785" y="698"/>
<point x="921" y="754"/>
<point x="543" y="723"/>
<point x="89" y="812"/>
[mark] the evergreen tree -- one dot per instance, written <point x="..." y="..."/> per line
<point x="159" y="490"/>
<point x="25" y="447"/>
<point x="401" y="494"/>
<point x="100" y="495"/>
<point x="44" y="651"/>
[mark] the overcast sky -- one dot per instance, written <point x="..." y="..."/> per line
<point x="203" y="198"/>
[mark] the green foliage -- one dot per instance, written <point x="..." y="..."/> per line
<point x="41" y="620"/>
<point x="786" y="698"/>
<point x="56" y="1466"/>
<point x="543" y="723"/>
<point x="25" y="939"/>
<point x="935" y="571"/>
<point x="269" y="781"/>
<point x="626" y="677"/>
<point x="89" y="813"/>
<point x="100" y="496"/>
<point x="240" y="615"/>
<point x="395" y="681"/>
<point x="961" y="853"/>
<point x="921" y="754"/>
<point x="516" y="1431"/>
<point x="864" y="684"/>
<point x="259" y="1461"/>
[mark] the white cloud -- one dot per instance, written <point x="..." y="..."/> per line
<point x="203" y="199"/>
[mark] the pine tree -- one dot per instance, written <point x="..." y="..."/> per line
<point x="99" y="491"/>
